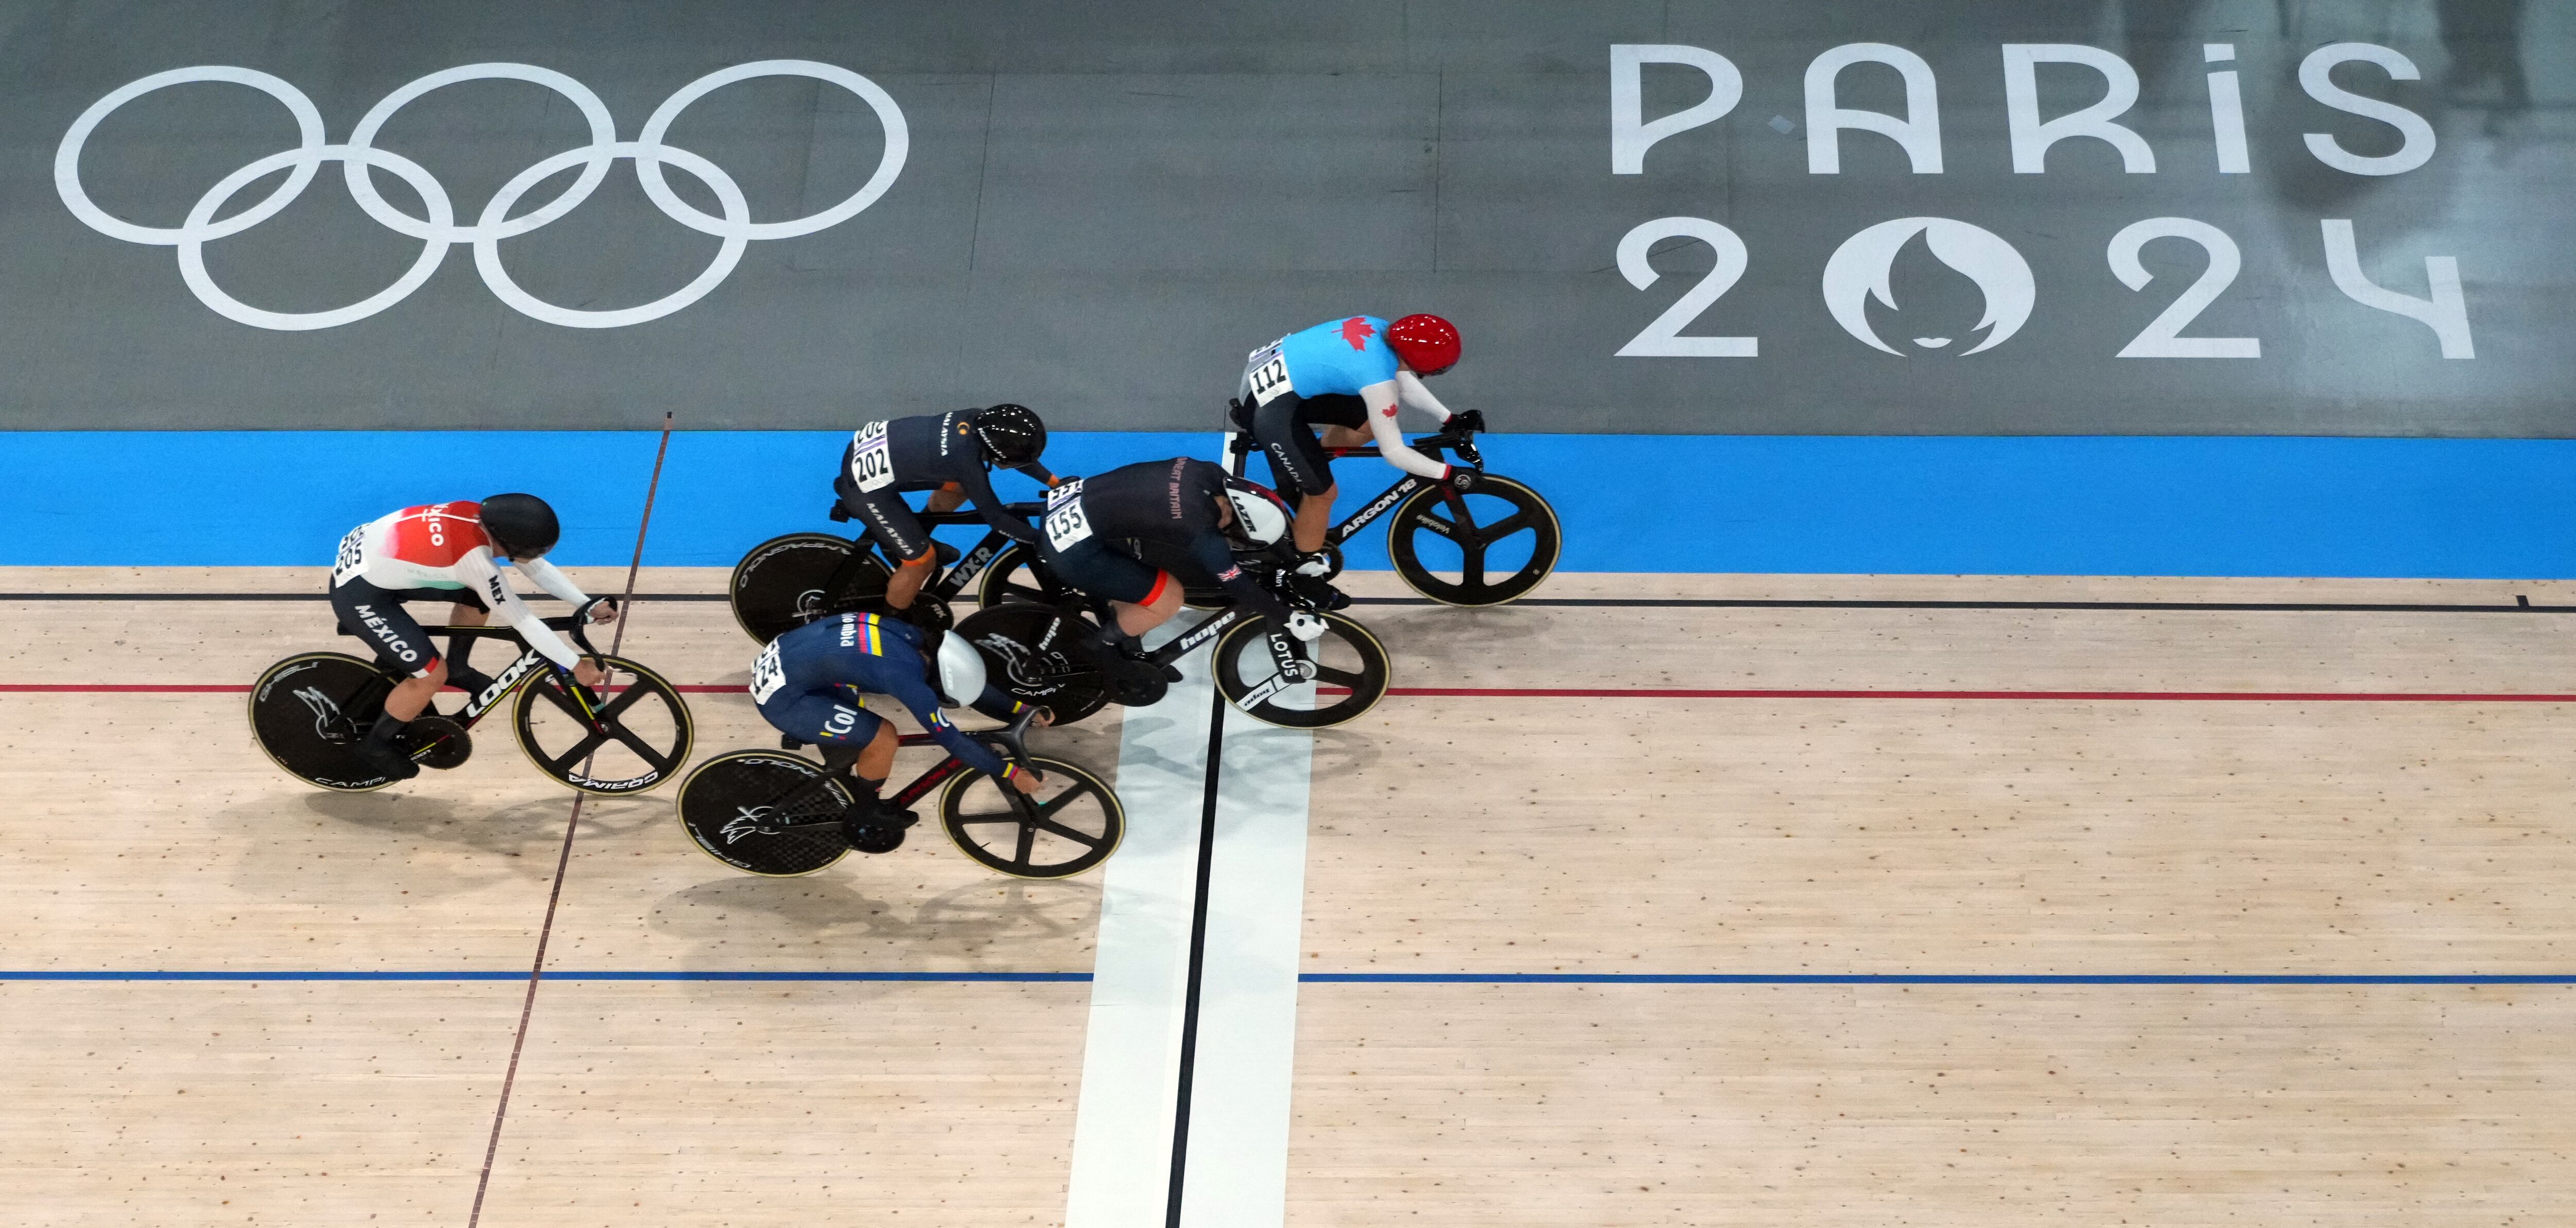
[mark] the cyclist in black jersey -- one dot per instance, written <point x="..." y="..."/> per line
<point x="1107" y="534"/>
<point x="948" y="455"/>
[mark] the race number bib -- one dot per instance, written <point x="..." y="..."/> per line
<point x="1267" y="373"/>
<point x="767" y="674"/>
<point x="353" y="556"/>
<point x="1066" y="525"/>
<point x="871" y="460"/>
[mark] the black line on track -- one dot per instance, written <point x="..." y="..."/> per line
<point x="1198" y="956"/>
<point x="2522" y="604"/>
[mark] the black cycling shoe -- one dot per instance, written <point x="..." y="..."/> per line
<point x="875" y="826"/>
<point x="471" y="681"/>
<point x="389" y="761"/>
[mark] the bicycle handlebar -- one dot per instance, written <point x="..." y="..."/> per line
<point x="1013" y="738"/>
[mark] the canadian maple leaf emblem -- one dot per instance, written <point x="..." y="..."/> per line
<point x="1356" y="330"/>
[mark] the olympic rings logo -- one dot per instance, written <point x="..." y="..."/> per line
<point x="360" y="159"/>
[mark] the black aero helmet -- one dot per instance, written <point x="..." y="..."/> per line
<point x="1011" y="434"/>
<point x="520" y="526"/>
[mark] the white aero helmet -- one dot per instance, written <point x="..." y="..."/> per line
<point x="1260" y="517"/>
<point x="960" y="671"/>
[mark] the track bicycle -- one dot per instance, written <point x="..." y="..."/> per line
<point x="1464" y="542"/>
<point x="793" y="579"/>
<point x="311" y="711"/>
<point x="1031" y="631"/>
<point x="781" y="814"/>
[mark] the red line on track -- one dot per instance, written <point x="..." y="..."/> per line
<point x="2093" y="696"/>
<point x="1446" y="692"/>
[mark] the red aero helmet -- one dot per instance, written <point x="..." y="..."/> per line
<point x="1426" y="343"/>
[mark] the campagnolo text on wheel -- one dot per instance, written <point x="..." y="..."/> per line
<point x="600" y="724"/>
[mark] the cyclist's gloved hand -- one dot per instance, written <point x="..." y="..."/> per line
<point x="1305" y="626"/>
<point x="583" y="697"/>
<point x="1462" y="480"/>
<point x="1470" y="421"/>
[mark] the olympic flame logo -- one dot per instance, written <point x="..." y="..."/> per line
<point x="360" y="159"/>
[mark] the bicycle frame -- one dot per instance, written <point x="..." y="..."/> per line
<point x="509" y="680"/>
<point x="957" y="577"/>
<point x="1433" y="446"/>
<point x="1012" y="737"/>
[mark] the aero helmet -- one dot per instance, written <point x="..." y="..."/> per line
<point x="1260" y="517"/>
<point x="1426" y="343"/>
<point x="959" y="671"/>
<point x="1011" y="434"/>
<point x="520" y="526"/>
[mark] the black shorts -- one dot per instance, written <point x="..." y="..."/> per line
<point x="1103" y="570"/>
<point x="1285" y="430"/>
<point x="886" y="517"/>
<point x="376" y="615"/>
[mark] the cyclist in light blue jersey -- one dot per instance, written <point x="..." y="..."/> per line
<point x="1346" y="376"/>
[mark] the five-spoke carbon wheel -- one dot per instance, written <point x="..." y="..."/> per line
<point x="1072" y="823"/>
<point x="642" y="737"/>
<point x="745" y="809"/>
<point x="1485" y="547"/>
<point x="1352" y="673"/>
<point x="786" y="582"/>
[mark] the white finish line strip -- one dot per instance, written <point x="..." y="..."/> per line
<point x="1215" y="1081"/>
<point x="1131" y="1059"/>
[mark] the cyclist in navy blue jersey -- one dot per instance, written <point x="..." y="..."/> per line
<point x="814" y="684"/>
<point x="948" y="455"/>
<point x="1100" y="531"/>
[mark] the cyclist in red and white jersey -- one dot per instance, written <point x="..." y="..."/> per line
<point x="448" y="552"/>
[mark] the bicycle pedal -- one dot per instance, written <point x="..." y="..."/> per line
<point x="789" y="742"/>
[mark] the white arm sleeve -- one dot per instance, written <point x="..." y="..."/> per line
<point x="1380" y="399"/>
<point x="478" y="568"/>
<point x="1410" y="389"/>
<point x="552" y="581"/>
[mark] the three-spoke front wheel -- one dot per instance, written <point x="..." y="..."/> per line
<point x="642" y="736"/>
<point x="1351" y="673"/>
<point x="1485" y="547"/>
<point x="1072" y="823"/>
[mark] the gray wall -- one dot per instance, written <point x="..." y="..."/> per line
<point x="1104" y="205"/>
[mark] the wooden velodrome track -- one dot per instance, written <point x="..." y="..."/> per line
<point x="1816" y="915"/>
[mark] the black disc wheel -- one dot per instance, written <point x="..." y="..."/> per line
<point x="752" y="810"/>
<point x="309" y="712"/>
<point x="641" y="738"/>
<point x="1351" y="673"/>
<point x="1030" y="653"/>
<point x="1072" y="823"/>
<point x="1016" y="574"/>
<point x="1485" y="547"/>
<point x="787" y="582"/>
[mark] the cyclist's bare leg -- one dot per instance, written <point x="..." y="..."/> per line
<point x="1139" y="619"/>
<point x="1314" y="520"/>
<point x="908" y="578"/>
<point x="876" y="760"/>
<point x="411" y="695"/>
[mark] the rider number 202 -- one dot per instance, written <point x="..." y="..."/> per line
<point x="871" y="460"/>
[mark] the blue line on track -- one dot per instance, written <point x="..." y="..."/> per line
<point x="1908" y="978"/>
<point x="1376" y="978"/>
